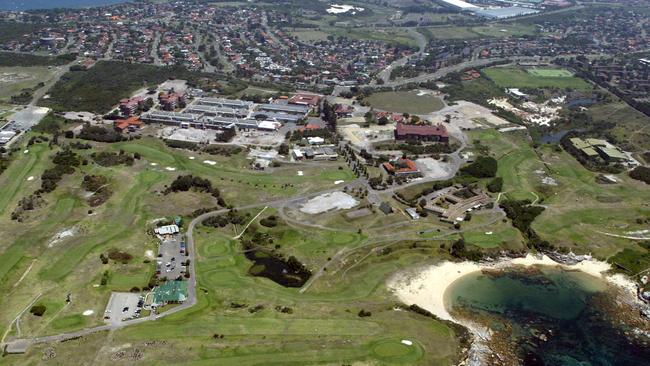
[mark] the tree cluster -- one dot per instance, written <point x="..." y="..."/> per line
<point x="65" y="162"/>
<point x="459" y="250"/>
<point x="107" y="159"/>
<point x="329" y="115"/>
<point x="100" y="134"/>
<point x="641" y="173"/>
<point x="231" y="217"/>
<point x="495" y="185"/>
<point x="482" y="167"/>
<point x="184" y="183"/>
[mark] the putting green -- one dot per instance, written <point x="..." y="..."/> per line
<point x="394" y="351"/>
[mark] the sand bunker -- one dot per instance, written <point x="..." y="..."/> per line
<point x="61" y="235"/>
<point x="88" y="312"/>
<point x="329" y="201"/>
<point x="209" y="162"/>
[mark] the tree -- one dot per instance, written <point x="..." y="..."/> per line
<point x="641" y="173"/>
<point x="38" y="309"/>
<point x="483" y="167"/>
<point x="284" y="149"/>
<point x="495" y="185"/>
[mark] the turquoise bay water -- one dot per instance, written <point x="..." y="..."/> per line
<point x="17" y="5"/>
<point x="563" y="307"/>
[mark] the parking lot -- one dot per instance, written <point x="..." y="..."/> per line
<point x="27" y="117"/>
<point x="170" y="258"/>
<point x="123" y="306"/>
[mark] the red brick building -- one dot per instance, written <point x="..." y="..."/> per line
<point x="421" y="132"/>
<point x="130" y="105"/>
<point x="171" y="101"/>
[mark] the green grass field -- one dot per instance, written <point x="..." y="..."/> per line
<point x="550" y="73"/>
<point x="310" y="35"/>
<point x="325" y="317"/>
<point x="405" y="102"/>
<point x="487" y="31"/>
<point x="579" y="210"/>
<point x="512" y="77"/>
<point x="14" y="79"/>
<point x="387" y="35"/>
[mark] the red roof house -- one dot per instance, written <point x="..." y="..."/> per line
<point x="310" y="100"/>
<point x="131" y="123"/>
<point x="402" y="167"/>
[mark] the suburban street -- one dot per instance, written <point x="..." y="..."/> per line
<point x="384" y="75"/>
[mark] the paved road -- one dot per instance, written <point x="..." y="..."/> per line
<point x="440" y="72"/>
<point x="384" y="75"/>
<point x="154" y="49"/>
<point x="61" y="70"/>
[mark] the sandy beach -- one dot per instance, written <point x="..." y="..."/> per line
<point x="426" y="286"/>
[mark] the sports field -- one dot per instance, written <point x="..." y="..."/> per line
<point x="550" y="73"/>
<point x="413" y="102"/>
<point x="515" y="77"/>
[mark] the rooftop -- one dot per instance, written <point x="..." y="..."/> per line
<point x="401" y="166"/>
<point x="422" y="130"/>
<point x="170" y="292"/>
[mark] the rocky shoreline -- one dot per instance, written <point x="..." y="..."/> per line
<point x="426" y="287"/>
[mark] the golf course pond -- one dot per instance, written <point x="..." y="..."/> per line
<point x="286" y="272"/>
<point x="549" y="316"/>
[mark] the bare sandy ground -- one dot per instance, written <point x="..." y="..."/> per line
<point x="329" y="201"/>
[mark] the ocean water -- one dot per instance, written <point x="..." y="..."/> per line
<point x="18" y="5"/>
<point x="554" y="317"/>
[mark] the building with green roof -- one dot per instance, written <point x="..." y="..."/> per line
<point x="579" y="143"/>
<point x="590" y="152"/>
<point x="170" y="292"/>
<point x="594" y="148"/>
<point x="597" y="142"/>
<point x="612" y="154"/>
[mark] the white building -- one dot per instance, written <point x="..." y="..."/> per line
<point x="6" y="136"/>
<point x="459" y="4"/>
<point x="167" y="230"/>
<point x="315" y="140"/>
